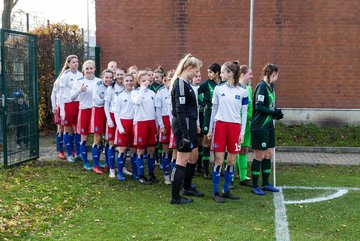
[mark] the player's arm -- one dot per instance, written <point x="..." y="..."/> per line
<point x="180" y="109"/>
<point x="259" y="98"/>
<point x="108" y="98"/>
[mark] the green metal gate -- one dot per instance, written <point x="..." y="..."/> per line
<point x="19" y="129"/>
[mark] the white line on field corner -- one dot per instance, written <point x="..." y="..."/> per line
<point x="321" y="188"/>
<point x="281" y="223"/>
<point x="339" y="193"/>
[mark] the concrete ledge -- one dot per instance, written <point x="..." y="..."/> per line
<point x="321" y="116"/>
<point x="317" y="149"/>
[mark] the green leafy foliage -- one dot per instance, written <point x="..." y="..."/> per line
<point x="71" y="38"/>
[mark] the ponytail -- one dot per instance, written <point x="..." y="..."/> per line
<point x="187" y="61"/>
<point x="268" y="70"/>
<point x="66" y="63"/>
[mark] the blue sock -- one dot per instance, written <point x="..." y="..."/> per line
<point x="107" y="154"/>
<point x="229" y="171"/>
<point x="95" y="151"/>
<point x="83" y="149"/>
<point x="216" y="178"/>
<point x="100" y="150"/>
<point x="165" y="163"/>
<point x="120" y="161"/>
<point x="77" y="139"/>
<point x="151" y="164"/>
<point x="111" y="156"/>
<point x="59" y="142"/>
<point x="133" y="166"/>
<point x="67" y="142"/>
<point x="72" y="136"/>
<point x="140" y="165"/>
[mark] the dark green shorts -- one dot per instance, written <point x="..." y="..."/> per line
<point x="262" y="139"/>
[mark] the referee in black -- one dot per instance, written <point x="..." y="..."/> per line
<point x="185" y="114"/>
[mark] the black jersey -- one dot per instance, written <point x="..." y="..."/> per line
<point x="184" y="104"/>
<point x="263" y="107"/>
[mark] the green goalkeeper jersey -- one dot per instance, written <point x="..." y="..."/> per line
<point x="250" y="107"/>
<point x="263" y="107"/>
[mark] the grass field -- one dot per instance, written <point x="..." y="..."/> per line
<point x="55" y="200"/>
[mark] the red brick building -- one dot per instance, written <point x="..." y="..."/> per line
<point x="314" y="43"/>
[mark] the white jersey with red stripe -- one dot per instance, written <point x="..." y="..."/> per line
<point x="163" y="100"/>
<point x="229" y="104"/>
<point x="67" y="81"/>
<point x="85" y="98"/>
<point x="111" y="94"/>
<point x="144" y="103"/>
<point x="99" y="90"/>
<point x="124" y="106"/>
<point x="124" y="109"/>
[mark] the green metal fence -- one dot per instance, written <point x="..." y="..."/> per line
<point x="84" y="52"/>
<point x="19" y="135"/>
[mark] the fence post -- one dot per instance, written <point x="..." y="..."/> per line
<point x="97" y="60"/>
<point x="57" y="56"/>
<point x="3" y="98"/>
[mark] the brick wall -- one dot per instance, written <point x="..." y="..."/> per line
<point x="314" y="43"/>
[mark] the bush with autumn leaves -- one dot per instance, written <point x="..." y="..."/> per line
<point x="71" y="39"/>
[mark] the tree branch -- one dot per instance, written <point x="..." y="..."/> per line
<point x="14" y="3"/>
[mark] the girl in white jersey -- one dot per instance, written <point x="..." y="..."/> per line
<point x="227" y="126"/>
<point x="172" y="145"/>
<point x="112" y="65"/>
<point x="163" y="105"/>
<point x="110" y="96"/>
<point x="124" y="137"/>
<point x="68" y="108"/>
<point x="144" y="126"/>
<point x="98" y="117"/>
<point x="241" y="162"/>
<point x="57" y="119"/>
<point x="195" y="84"/>
<point x="83" y="91"/>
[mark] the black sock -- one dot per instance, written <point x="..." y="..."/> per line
<point x="255" y="171"/>
<point x="198" y="163"/>
<point x="266" y="170"/>
<point x="177" y="179"/>
<point x="189" y="173"/>
<point x="206" y="159"/>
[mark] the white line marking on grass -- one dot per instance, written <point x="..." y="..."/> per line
<point x="281" y="224"/>
<point x="339" y="193"/>
<point x="321" y="188"/>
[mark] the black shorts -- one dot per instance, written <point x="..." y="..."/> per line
<point x="262" y="139"/>
<point x="192" y="128"/>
